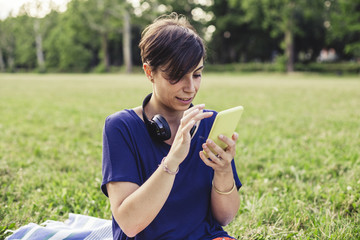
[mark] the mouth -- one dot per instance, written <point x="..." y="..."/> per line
<point x="185" y="100"/>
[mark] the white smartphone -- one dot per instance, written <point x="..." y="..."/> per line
<point x="225" y="123"/>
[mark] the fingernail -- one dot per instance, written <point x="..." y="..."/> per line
<point x="221" y="136"/>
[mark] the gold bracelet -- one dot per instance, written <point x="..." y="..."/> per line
<point x="224" y="193"/>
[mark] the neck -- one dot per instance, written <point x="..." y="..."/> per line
<point x="171" y="116"/>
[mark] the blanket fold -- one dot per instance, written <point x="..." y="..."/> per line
<point x="76" y="227"/>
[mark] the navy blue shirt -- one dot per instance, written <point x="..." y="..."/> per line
<point x="131" y="155"/>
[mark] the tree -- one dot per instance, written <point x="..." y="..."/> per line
<point x="344" y="25"/>
<point x="7" y="42"/>
<point x="2" y="63"/>
<point x="70" y="45"/>
<point x="98" y="34"/>
<point x="239" y="35"/>
<point x="127" y="42"/>
<point x="282" y="18"/>
<point x="24" y="45"/>
<point x="34" y="11"/>
<point x="106" y="17"/>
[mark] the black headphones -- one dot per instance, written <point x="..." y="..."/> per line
<point x="158" y="127"/>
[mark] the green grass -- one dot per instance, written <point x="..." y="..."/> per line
<point x="297" y="155"/>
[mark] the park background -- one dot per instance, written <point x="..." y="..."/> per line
<point x="293" y="65"/>
<point x="103" y="35"/>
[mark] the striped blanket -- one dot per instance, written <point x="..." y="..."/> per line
<point x="76" y="227"/>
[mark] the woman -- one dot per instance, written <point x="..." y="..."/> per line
<point x="158" y="180"/>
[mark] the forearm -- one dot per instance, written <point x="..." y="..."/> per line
<point x="224" y="206"/>
<point x="140" y="208"/>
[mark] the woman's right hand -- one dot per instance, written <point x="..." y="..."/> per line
<point x="181" y="144"/>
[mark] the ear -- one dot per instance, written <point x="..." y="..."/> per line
<point x="148" y="72"/>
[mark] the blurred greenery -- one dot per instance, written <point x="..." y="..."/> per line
<point x="90" y="35"/>
<point x="297" y="154"/>
<point x="338" y="68"/>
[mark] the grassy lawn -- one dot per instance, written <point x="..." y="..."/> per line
<point x="298" y="155"/>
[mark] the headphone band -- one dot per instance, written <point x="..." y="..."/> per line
<point x="146" y="101"/>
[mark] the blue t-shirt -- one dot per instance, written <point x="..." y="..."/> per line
<point x="131" y="155"/>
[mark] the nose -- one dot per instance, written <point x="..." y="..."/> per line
<point x="189" y="84"/>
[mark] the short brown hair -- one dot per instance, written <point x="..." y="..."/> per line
<point x="172" y="44"/>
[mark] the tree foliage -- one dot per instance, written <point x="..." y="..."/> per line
<point x="248" y="30"/>
<point x="94" y="35"/>
<point x="344" y="25"/>
<point x="239" y="35"/>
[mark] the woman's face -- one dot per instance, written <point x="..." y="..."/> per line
<point x="178" y="96"/>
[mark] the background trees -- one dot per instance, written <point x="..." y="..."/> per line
<point x="96" y="35"/>
<point x="343" y="26"/>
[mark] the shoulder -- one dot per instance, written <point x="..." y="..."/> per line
<point x="122" y="118"/>
<point x="123" y="126"/>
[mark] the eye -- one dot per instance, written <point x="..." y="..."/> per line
<point x="197" y="75"/>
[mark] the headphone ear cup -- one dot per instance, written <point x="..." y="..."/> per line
<point x="161" y="128"/>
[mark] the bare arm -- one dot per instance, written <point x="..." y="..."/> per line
<point x="225" y="200"/>
<point x="135" y="207"/>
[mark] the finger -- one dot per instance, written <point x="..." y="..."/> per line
<point x="229" y="142"/>
<point x="202" y="115"/>
<point x="235" y="136"/>
<point x="186" y="118"/>
<point x="199" y="107"/>
<point x="216" y="148"/>
<point x="225" y="154"/>
<point x="211" y="155"/>
<point x="186" y="129"/>
<point x="207" y="161"/>
<point x="195" y="115"/>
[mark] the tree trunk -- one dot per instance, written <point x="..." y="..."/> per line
<point x="127" y="42"/>
<point x="105" y="52"/>
<point x="11" y="63"/>
<point x="289" y="50"/>
<point x="9" y="49"/>
<point x="39" y="47"/>
<point x="2" y="64"/>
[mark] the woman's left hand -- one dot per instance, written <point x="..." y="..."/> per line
<point x="220" y="161"/>
<point x="225" y="201"/>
